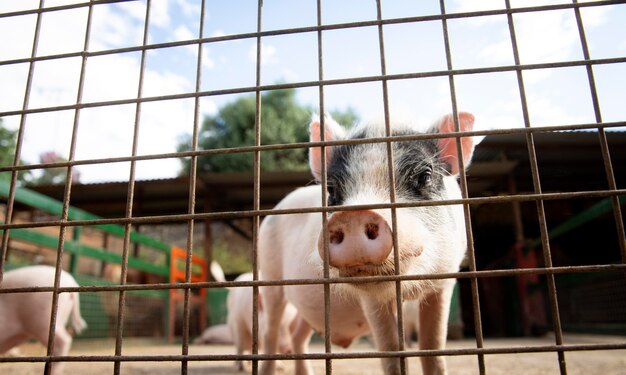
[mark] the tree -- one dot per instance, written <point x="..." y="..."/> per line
<point x="51" y="176"/>
<point x="8" y="139"/>
<point x="283" y="121"/>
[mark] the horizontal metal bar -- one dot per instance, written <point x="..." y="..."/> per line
<point x="333" y="280"/>
<point x="51" y="242"/>
<point x="297" y="145"/>
<point x="364" y="79"/>
<point x="52" y="206"/>
<point x="59" y="8"/>
<point x="226" y="215"/>
<point x="298" y="30"/>
<point x="579" y="219"/>
<point x="319" y="356"/>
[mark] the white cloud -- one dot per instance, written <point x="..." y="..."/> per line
<point x="497" y="52"/>
<point x="547" y="36"/>
<point x="189" y="9"/>
<point x="105" y="131"/>
<point x="473" y="6"/>
<point x="268" y="54"/>
<point x="184" y="33"/>
<point x="595" y="16"/>
<point x="218" y="33"/>
<point x="207" y="61"/>
<point x="114" y="29"/>
<point x="160" y="13"/>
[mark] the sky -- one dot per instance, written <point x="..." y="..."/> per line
<point x="557" y="96"/>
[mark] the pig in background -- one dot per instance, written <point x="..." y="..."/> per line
<point x="431" y="239"/>
<point x="218" y="334"/>
<point x="27" y="315"/>
<point x="239" y="320"/>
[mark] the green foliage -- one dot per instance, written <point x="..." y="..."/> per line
<point x="283" y="121"/>
<point x="51" y="176"/>
<point x="232" y="262"/>
<point x="7" y="145"/>
<point x="8" y="140"/>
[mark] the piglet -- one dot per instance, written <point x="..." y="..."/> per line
<point x="431" y="239"/>
<point x="27" y="315"/>
<point x="239" y="319"/>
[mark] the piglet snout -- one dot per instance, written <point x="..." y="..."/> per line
<point x="357" y="238"/>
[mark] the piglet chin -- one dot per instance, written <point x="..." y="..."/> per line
<point x="384" y="269"/>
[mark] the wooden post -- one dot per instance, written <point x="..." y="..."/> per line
<point x="75" y="256"/>
<point x="205" y="316"/>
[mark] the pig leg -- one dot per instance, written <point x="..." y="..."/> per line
<point x="301" y="337"/>
<point x="382" y="320"/>
<point x="62" y="344"/>
<point x="274" y="303"/>
<point x="7" y="343"/>
<point x="434" y="311"/>
<point x="243" y="341"/>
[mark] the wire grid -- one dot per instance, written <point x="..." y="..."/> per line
<point x="256" y="213"/>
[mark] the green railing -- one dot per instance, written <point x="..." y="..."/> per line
<point x="73" y="246"/>
<point x="574" y="222"/>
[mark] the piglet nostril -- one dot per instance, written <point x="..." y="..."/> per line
<point x="371" y="231"/>
<point x="336" y="237"/>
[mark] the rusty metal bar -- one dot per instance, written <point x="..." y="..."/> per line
<point x="391" y="178"/>
<point x="335" y="280"/>
<point x="130" y="198"/>
<point x="363" y="79"/>
<point x="300" y="30"/>
<point x="547" y="258"/>
<point x="322" y="356"/>
<point x="466" y="209"/>
<point x="604" y="146"/>
<point x="324" y="184"/>
<point x="192" y="207"/>
<point x="256" y="220"/>
<point x="397" y="138"/>
<point x="66" y="199"/>
<point x="250" y="213"/>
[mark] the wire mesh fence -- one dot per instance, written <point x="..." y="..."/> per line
<point x="378" y="36"/>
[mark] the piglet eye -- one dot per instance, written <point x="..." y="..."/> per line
<point x="425" y="178"/>
<point x="332" y="198"/>
<point x="330" y="189"/>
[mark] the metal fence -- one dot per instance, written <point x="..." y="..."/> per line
<point x="321" y="84"/>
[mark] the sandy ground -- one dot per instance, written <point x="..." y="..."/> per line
<point x="583" y="362"/>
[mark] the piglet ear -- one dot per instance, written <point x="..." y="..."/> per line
<point x="447" y="146"/>
<point x="332" y="131"/>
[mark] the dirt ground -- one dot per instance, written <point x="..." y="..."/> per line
<point x="584" y="362"/>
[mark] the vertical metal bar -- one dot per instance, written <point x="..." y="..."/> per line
<point x="130" y="198"/>
<point x="256" y="192"/>
<point x="558" y="333"/>
<point x="193" y="167"/>
<point x="324" y="181"/>
<point x="392" y="187"/>
<point x="67" y="195"/>
<point x="8" y="217"/>
<point x="604" y="146"/>
<point x="464" y="193"/>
